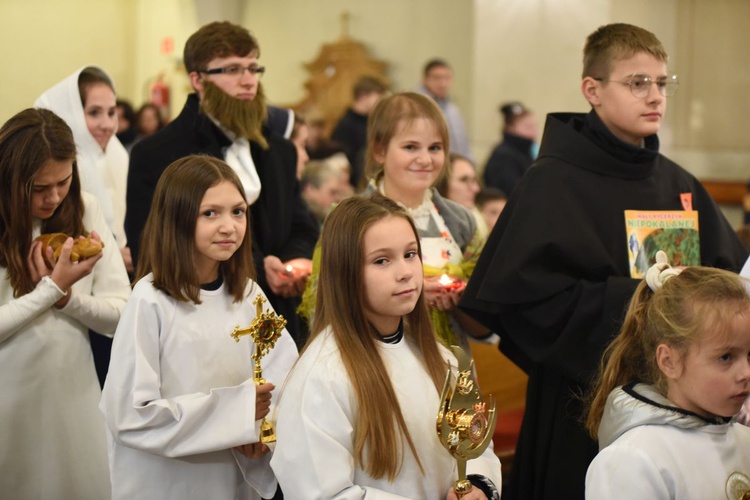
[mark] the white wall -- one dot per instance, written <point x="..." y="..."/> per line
<point x="44" y="41"/>
<point x="403" y="33"/>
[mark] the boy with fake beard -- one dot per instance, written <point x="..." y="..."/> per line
<point x="226" y="118"/>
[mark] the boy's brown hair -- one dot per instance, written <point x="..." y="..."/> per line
<point x="615" y="42"/>
<point x="217" y="39"/>
<point x="368" y="85"/>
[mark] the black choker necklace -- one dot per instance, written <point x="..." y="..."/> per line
<point x="395" y="337"/>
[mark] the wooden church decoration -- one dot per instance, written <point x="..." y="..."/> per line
<point x="333" y="75"/>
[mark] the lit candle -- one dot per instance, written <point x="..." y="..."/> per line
<point x="449" y="283"/>
<point x="289" y="269"/>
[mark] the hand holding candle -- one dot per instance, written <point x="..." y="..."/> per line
<point x="444" y="292"/>
<point x="296" y="272"/>
<point x="451" y="283"/>
<point x="286" y="279"/>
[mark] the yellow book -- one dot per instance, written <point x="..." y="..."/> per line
<point x="674" y="232"/>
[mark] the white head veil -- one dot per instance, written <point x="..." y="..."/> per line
<point x="102" y="173"/>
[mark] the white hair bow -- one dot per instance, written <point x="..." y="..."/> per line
<point x="660" y="272"/>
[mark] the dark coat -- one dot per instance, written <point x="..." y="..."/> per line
<point x="508" y="162"/>
<point x="351" y="133"/>
<point x="554" y="279"/>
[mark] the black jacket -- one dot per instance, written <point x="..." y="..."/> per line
<point x="508" y="162"/>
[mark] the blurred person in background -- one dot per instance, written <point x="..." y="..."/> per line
<point x="513" y="156"/>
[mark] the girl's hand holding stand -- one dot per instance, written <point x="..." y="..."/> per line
<point x="255" y="451"/>
<point x="263" y="400"/>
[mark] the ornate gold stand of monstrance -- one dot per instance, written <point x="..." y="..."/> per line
<point x="465" y="424"/>
<point x="265" y="330"/>
<point x="738" y="486"/>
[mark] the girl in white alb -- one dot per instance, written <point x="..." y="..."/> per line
<point x="52" y="440"/>
<point x="181" y="406"/>
<point x="357" y="415"/>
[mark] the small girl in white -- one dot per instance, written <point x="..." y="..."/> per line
<point x="669" y="388"/>
<point x="357" y="417"/>
<point x="179" y="402"/>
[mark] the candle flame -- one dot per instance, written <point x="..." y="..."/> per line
<point x="445" y="280"/>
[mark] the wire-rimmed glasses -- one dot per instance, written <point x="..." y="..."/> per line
<point x="640" y="84"/>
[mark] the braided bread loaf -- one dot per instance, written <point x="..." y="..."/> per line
<point x="83" y="247"/>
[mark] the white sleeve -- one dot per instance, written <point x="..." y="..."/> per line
<point x="100" y="309"/>
<point x="623" y="472"/>
<point x="139" y="417"/>
<point x="257" y="473"/>
<point x="18" y="312"/>
<point x="313" y="455"/>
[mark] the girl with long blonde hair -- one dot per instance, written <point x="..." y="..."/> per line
<point x="669" y="389"/>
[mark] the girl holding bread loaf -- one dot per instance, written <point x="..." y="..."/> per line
<point x="51" y="432"/>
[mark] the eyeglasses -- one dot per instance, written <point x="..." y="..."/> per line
<point x="640" y="84"/>
<point x="236" y="70"/>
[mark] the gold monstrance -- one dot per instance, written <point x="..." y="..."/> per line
<point x="738" y="486"/>
<point x="265" y="330"/>
<point x="464" y="423"/>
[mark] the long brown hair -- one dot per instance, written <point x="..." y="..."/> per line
<point x="697" y="299"/>
<point x="27" y="141"/>
<point x="341" y="304"/>
<point x="168" y="240"/>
